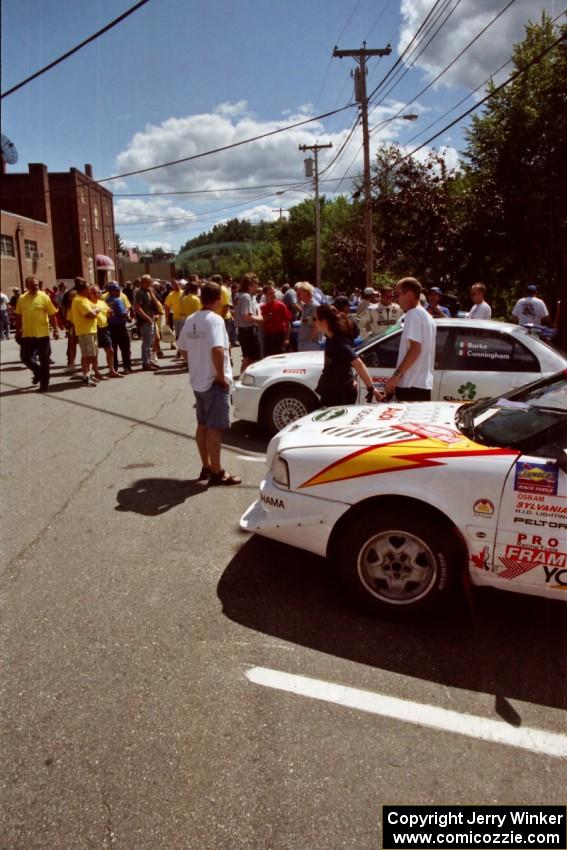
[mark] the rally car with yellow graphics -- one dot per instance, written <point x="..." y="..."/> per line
<point x="410" y="499"/>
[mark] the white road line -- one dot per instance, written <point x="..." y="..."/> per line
<point x="536" y="740"/>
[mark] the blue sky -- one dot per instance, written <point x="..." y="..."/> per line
<point x="179" y="77"/>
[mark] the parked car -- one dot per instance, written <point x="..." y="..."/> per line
<point x="408" y="498"/>
<point x="472" y="359"/>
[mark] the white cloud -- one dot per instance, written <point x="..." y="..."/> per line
<point x="470" y="16"/>
<point x="274" y="160"/>
<point x="144" y="245"/>
<point x="154" y="214"/>
<point x="232" y="109"/>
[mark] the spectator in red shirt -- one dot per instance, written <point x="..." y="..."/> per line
<point x="277" y="322"/>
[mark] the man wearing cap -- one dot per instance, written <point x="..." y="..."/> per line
<point x="34" y="311"/>
<point x="117" y="325"/>
<point x="530" y="310"/>
<point x="382" y="315"/>
<point x="369" y="297"/>
<point x="434" y="306"/>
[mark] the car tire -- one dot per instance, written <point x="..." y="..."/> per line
<point x="398" y="566"/>
<point x="285" y="405"/>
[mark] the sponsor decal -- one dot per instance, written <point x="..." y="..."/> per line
<point x="534" y="477"/>
<point x="468" y="348"/>
<point x="378" y="380"/>
<point x="273" y="501"/>
<point x="539" y="505"/>
<point x="480" y="560"/>
<point x="467" y="391"/>
<point x="362" y="414"/>
<point x="294" y="371"/>
<point x="555" y="576"/>
<point x="531" y="551"/>
<point x="409" y="454"/>
<point x="483" y="507"/>
<point x="540" y="522"/>
<point x="437" y="432"/>
<point x="389" y="413"/>
<point x="331" y="413"/>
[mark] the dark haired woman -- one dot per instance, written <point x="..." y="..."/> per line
<point x="337" y="384"/>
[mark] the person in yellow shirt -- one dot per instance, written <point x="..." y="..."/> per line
<point x="84" y="317"/>
<point x="103" y="333"/>
<point x="191" y="302"/>
<point x="34" y="312"/>
<point x="173" y="306"/>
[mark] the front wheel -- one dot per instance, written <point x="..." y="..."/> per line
<point x="286" y="405"/>
<point x="396" y="565"/>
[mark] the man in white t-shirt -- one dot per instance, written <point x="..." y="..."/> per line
<point x="203" y="342"/>
<point x="413" y="378"/>
<point x="530" y="310"/>
<point x="480" y="308"/>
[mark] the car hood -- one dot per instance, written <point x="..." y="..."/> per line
<point x="371" y="425"/>
<point x="330" y="446"/>
<point x="295" y="361"/>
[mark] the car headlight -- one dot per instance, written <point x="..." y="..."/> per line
<point x="280" y="472"/>
<point x="248" y="380"/>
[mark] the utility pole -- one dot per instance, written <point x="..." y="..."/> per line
<point x="280" y="210"/>
<point x="316" y="149"/>
<point x="360" y="56"/>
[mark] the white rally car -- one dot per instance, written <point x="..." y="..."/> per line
<point x="473" y="359"/>
<point x="408" y="498"/>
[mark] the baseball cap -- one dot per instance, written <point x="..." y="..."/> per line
<point x="531" y="288"/>
<point x="113" y="285"/>
<point x="435" y="289"/>
<point x="369" y="291"/>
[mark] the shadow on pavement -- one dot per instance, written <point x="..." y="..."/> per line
<point x="155" y="496"/>
<point x="247" y="436"/>
<point x="503" y="644"/>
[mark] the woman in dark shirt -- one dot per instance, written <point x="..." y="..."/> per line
<point x="337" y="384"/>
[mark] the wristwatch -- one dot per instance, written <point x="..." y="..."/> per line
<point x="398" y="374"/>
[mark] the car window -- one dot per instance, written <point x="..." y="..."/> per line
<point x="383" y="354"/>
<point x="473" y="350"/>
<point x="441" y="340"/>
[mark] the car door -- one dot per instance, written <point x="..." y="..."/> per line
<point x="381" y="357"/>
<point x="531" y="538"/>
<point x="480" y="363"/>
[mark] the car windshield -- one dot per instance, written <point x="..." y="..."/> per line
<point x="369" y="341"/>
<point x="518" y="418"/>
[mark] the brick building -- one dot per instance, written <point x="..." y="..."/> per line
<point x="79" y="214"/>
<point x="26" y="241"/>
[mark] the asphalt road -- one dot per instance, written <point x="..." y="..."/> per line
<point x="134" y="609"/>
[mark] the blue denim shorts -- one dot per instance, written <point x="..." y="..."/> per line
<point x="213" y="407"/>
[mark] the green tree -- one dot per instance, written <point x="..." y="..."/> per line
<point x="516" y="168"/>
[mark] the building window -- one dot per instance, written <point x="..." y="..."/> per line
<point x="95" y="212"/>
<point x="30" y="248"/>
<point x="85" y="231"/>
<point x="83" y="198"/>
<point x="7" y="246"/>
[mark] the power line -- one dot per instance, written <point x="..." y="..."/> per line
<point x="407" y="48"/>
<point x="211" y="191"/>
<point x="485" y="82"/>
<point x="456" y="58"/>
<point x="228" y="147"/>
<point x="490" y="94"/>
<point x="75" y="49"/>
